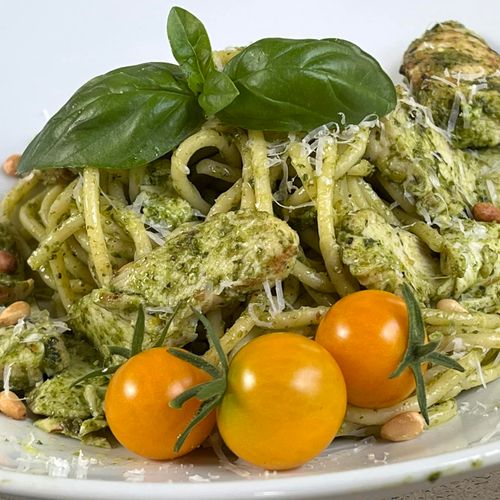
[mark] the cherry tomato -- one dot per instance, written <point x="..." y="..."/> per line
<point x="137" y="404"/>
<point x="285" y="401"/>
<point x="367" y="334"/>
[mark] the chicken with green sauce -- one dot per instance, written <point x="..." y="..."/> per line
<point x="457" y="75"/>
<point x="471" y="257"/>
<point x="417" y="165"/>
<point x="31" y="350"/>
<point x="158" y="204"/>
<point x="384" y="257"/>
<point x="205" y="266"/>
<point x="72" y="410"/>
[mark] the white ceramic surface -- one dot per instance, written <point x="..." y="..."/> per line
<point x="48" y="49"/>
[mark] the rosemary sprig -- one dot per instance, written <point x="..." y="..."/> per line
<point x="209" y="393"/>
<point x="418" y="351"/>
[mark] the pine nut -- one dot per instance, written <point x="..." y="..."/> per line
<point x="12" y="406"/>
<point x="10" y="165"/>
<point x="403" y="427"/>
<point x="16" y="311"/>
<point x="8" y="262"/>
<point x="486" y="212"/>
<point x="451" y="305"/>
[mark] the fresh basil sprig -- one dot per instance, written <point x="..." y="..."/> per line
<point x="297" y="85"/>
<point x="134" y="115"/>
<point x="192" y="50"/>
<point x="122" y="119"/>
<point x="190" y="46"/>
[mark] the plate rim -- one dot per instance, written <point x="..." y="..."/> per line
<point x="332" y="484"/>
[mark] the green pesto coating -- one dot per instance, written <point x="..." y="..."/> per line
<point x="488" y="179"/>
<point x="204" y="266"/>
<point x="57" y="398"/>
<point x="451" y="64"/>
<point x="86" y="430"/>
<point x="34" y="350"/>
<point x="7" y="241"/>
<point x="411" y="153"/>
<point x="471" y="257"/>
<point x="13" y="286"/>
<point x="384" y="257"/>
<point x="164" y="211"/>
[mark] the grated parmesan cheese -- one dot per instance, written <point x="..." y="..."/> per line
<point x="480" y="373"/>
<point x="270" y="298"/>
<point x="475" y="88"/>
<point x="280" y="299"/>
<point x="319" y="156"/>
<point x="490" y="187"/>
<point x="443" y="80"/>
<point x="18" y="329"/>
<point x="424" y="116"/>
<point x="458" y="345"/>
<point x="156" y="238"/>
<point x="454" y="113"/>
<point x="7" y="370"/>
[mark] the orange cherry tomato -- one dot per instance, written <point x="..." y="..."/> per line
<point x="137" y="404"/>
<point x="284" y="403"/>
<point x="367" y="334"/>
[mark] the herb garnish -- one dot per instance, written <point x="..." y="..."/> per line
<point x="135" y="348"/>
<point x="134" y="115"/>
<point x="209" y="393"/>
<point x="418" y="351"/>
<point x="192" y="50"/>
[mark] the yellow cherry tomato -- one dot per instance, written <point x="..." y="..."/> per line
<point x="285" y="401"/>
<point x="367" y="334"/>
<point x="137" y="404"/>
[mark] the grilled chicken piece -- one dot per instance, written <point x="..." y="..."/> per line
<point x="413" y="157"/>
<point x="471" y="257"/>
<point x="384" y="257"/>
<point x="454" y="72"/>
<point x="204" y="266"/>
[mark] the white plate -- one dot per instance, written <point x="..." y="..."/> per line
<point x="49" y="49"/>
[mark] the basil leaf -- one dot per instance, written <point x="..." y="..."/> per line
<point x="191" y="47"/>
<point x="218" y="92"/>
<point x="288" y="85"/>
<point x="192" y="50"/>
<point x="122" y="119"/>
